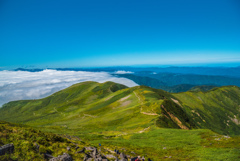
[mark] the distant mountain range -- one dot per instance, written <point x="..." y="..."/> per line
<point x="180" y="82"/>
<point x="220" y="71"/>
<point x="171" y="79"/>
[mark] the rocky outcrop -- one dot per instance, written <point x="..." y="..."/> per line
<point x="6" y="149"/>
<point x="123" y="157"/>
<point x="93" y="155"/>
<point x="64" y="157"/>
<point x="68" y="148"/>
<point x="110" y="156"/>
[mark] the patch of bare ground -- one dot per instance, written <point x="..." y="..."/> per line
<point x="144" y="130"/>
<point x="124" y="98"/>
<point x="235" y="120"/>
<point x="145" y="113"/>
<point x="175" y="119"/>
<point x="108" y="98"/>
<point x="176" y="101"/>
<point x="198" y="115"/>
<point x="125" y="103"/>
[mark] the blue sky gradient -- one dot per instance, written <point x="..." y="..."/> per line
<point x="80" y="33"/>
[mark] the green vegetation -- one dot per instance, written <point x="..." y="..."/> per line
<point x="155" y="143"/>
<point x="26" y="140"/>
<point x="175" y="144"/>
<point x="172" y="79"/>
<point x="203" y="88"/>
<point x="177" y="83"/>
<point x="95" y="107"/>
<point x="136" y="119"/>
<point x="217" y="109"/>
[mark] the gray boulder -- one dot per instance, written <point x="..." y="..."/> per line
<point x="90" y="148"/>
<point x="47" y="156"/>
<point x="123" y="157"/>
<point x="64" y="157"/>
<point x="110" y="156"/>
<point x="6" y="149"/>
<point x="86" y="157"/>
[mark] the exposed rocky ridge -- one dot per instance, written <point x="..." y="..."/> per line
<point x="90" y="154"/>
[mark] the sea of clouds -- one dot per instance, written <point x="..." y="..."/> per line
<point x="22" y="85"/>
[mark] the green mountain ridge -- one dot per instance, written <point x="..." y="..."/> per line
<point x="110" y="108"/>
<point x="137" y="121"/>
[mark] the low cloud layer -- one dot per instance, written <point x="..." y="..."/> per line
<point x="123" y="72"/>
<point x="22" y="85"/>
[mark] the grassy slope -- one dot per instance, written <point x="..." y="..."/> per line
<point x="90" y="105"/>
<point x="175" y="144"/>
<point x="156" y="143"/>
<point x="25" y="138"/>
<point x="126" y="117"/>
<point x="217" y="109"/>
<point x="113" y="107"/>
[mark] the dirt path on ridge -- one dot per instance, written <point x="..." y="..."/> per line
<point x="145" y="113"/>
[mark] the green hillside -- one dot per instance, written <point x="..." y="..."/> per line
<point x="202" y="88"/>
<point x="107" y="107"/>
<point x="112" y="108"/>
<point x="138" y="118"/>
<point x="217" y="109"/>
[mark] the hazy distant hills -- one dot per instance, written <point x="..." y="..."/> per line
<point x="175" y="79"/>
<point x="220" y="71"/>
<point x="171" y="79"/>
<point x="109" y="106"/>
<point x="180" y="82"/>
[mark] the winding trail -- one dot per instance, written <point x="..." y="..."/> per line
<point x="144" y="130"/>
<point x="84" y="115"/>
<point x="58" y="111"/>
<point x="138" y="97"/>
<point x="145" y="113"/>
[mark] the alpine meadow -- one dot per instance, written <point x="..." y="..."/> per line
<point x="146" y="121"/>
<point x="128" y="80"/>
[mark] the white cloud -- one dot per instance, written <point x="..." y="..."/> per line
<point x="18" y="85"/>
<point x="123" y="72"/>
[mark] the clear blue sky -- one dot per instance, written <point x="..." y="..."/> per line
<point x="78" y="33"/>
